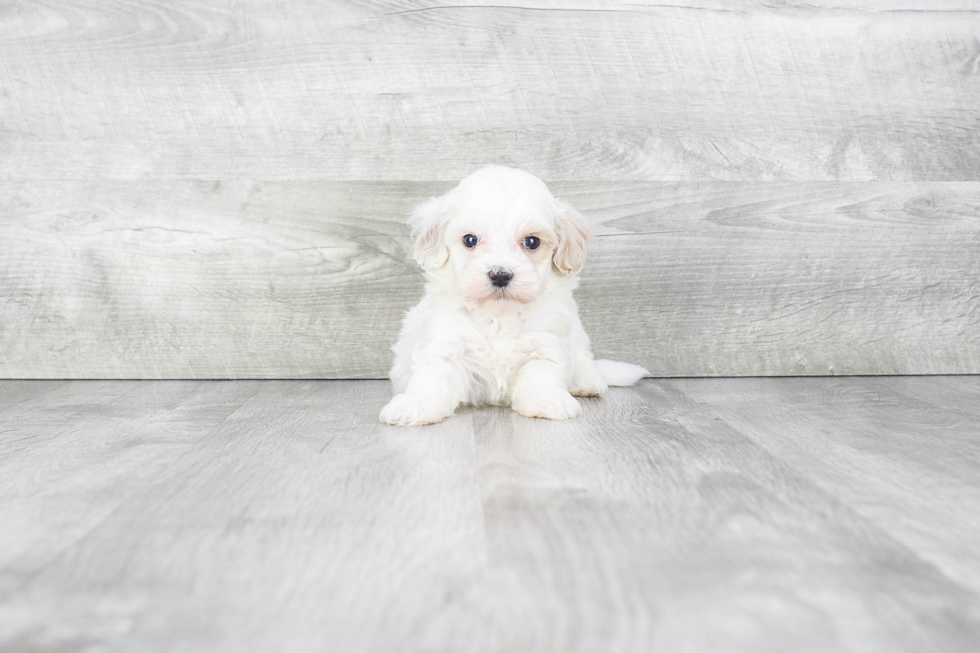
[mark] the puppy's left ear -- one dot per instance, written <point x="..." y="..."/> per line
<point x="428" y="228"/>
<point x="573" y="235"/>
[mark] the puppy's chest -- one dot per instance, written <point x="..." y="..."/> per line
<point x="499" y="343"/>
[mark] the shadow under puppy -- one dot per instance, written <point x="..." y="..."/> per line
<point x="498" y="324"/>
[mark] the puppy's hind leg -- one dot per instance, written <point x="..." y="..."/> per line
<point x="587" y="380"/>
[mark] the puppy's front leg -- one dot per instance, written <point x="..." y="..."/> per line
<point x="541" y="386"/>
<point x="432" y="394"/>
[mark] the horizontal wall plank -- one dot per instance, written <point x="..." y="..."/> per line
<point x="410" y="90"/>
<point x="239" y="279"/>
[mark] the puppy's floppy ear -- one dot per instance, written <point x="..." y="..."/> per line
<point x="573" y="235"/>
<point x="428" y="228"/>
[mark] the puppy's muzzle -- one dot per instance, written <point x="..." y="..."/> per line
<point x="500" y="277"/>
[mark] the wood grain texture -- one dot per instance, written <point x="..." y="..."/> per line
<point x="573" y="91"/>
<point x="382" y="527"/>
<point x="738" y="515"/>
<point x="899" y="452"/>
<point x="70" y="456"/>
<point x="310" y="279"/>
<point x="216" y="190"/>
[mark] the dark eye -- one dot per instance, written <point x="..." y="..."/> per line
<point x="470" y="240"/>
<point x="532" y="242"/>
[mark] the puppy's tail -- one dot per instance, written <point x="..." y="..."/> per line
<point x="614" y="373"/>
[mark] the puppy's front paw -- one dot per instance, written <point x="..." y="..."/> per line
<point x="403" y="410"/>
<point x="549" y="404"/>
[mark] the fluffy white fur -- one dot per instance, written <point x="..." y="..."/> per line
<point x="471" y="342"/>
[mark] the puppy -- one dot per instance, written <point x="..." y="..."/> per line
<point x="498" y="324"/>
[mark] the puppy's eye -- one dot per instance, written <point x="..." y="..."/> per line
<point x="470" y="240"/>
<point x="532" y="242"/>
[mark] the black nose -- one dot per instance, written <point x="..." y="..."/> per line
<point x="499" y="277"/>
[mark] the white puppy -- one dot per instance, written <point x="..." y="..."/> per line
<point x="498" y="324"/>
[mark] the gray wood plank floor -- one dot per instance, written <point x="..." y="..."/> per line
<point x="794" y="514"/>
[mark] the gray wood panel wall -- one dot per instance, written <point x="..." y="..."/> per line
<point x="218" y="190"/>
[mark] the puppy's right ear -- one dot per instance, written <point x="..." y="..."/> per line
<point x="428" y="228"/>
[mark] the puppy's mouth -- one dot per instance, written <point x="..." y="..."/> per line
<point x="506" y="294"/>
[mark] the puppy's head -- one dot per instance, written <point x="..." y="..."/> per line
<point x="499" y="236"/>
